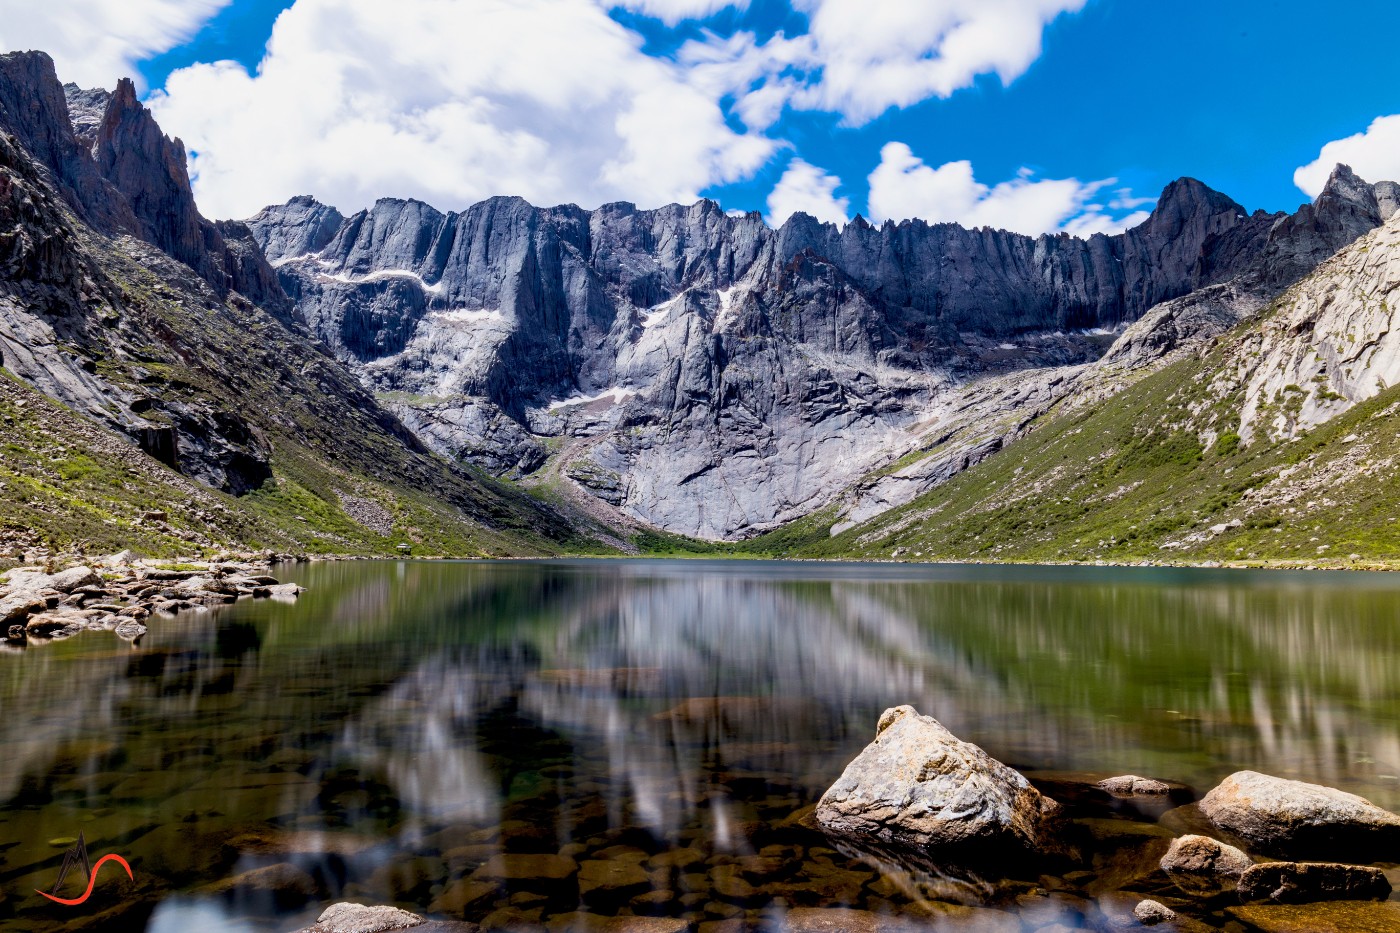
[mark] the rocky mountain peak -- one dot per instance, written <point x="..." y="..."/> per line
<point x="149" y="168"/>
<point x="86" y="109"/>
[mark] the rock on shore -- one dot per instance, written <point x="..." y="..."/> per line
<point x="119" y="594"/>
<point x="919" y="785"/>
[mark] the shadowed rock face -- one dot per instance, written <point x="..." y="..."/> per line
<point x="105" y="155"/>
<point x="728" y="377"/>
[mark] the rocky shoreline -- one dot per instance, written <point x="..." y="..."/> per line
<point x="919" y="806"/>
<point x="1264" y="841"/>
<point x="121" y="593"/>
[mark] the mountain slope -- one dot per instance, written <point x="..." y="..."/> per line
<point x="707" y="375"/>
<point x="121" y="303"/>
<point x="1275" y="444"/>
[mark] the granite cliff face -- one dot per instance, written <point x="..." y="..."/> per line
<point x="709" y="375"/>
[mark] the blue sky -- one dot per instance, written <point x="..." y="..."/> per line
<point x="1058" y="115"/>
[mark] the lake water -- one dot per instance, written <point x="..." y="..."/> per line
<point x="516" y="741"/>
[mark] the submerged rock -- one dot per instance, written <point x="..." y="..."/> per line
<point x="1204" y="866"/>
<point x="1150" y="913"/>
<point x="1330" y="917"/>
<point x="1306" y="882"/>
<point x="1297" y="818"/>
<point x="919" y="785"/>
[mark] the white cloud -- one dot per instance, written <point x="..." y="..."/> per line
<point x="451" y="101"/>
<point x="1374" y="155"/>
<point x="807" y="188"/>
<point x="95" y="42"/>
<point x="672" y="12"/>
<point x="860" y="59"/>
<point x="902" y="186"/>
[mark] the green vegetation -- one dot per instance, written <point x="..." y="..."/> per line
<point x="1130" y="481"/>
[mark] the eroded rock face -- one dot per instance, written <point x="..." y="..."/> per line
<point x="920" y="786"/>
<point x="1297" y="818"/>
<point x="1306" y="882"/>
<point x="1203" y="866"/>
<point x="728" y="377"/>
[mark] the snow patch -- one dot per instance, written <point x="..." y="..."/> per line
<point x="380" y="275"/>
<point x="467" y="315"/>
<point x="617" y="394"/>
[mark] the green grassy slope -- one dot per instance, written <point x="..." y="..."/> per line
<point x="1130" y="480"/>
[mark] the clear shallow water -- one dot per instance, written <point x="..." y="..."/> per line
<point x="661" y="723"/>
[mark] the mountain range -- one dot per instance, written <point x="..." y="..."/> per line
<point x="517" y="379"/>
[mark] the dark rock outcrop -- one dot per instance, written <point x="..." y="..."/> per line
<point x="122" y="175"/>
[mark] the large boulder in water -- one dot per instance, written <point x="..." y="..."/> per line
<point x="918" y="785"/>
<point x="1300" y="819"/>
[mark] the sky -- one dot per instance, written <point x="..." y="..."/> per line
<point x="1038" y="116"/>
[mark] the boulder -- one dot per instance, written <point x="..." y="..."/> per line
<point x="1307" y="882"/>
<point x="1130" y="785"/>
<point x="17" y="607"/>
<point x="1300" y="819"/>
<point x="1150" y="913"/>
<point x="358" y="918"/>
<point x="66" y="581"/>
<point x="1204" y="866"/>
<point x="919" y="785"/>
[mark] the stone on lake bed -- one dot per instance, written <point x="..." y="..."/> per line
<point x="581" y="922"/>
<point x="918" y="785"/>
<point x="522" y="867"/>
<point x="611" y="878"/>
<point x="284" y="883"/>
<point x="1307" y="882"/>
<point x="1204" y="866"/>
<point x="1297" y="818"/>
<point x="1327" y="917"/>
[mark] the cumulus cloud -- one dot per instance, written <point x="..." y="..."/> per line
<point x="806" y="188"/>
<point x="672" y="12"/>
<point x="1373" y="154"/>
<point x="95" y="42"/>
<point x="451" y="102"/>
<point x="860" y="59"/>
<point x="903" y="186"/>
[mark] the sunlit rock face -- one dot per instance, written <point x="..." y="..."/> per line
<point x="728" y="377"/>
<point x="709" y="375"/>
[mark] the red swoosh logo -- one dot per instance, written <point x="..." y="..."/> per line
<point x="92" y="880"/>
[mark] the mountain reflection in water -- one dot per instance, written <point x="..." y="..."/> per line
<point x="386" y="736"/>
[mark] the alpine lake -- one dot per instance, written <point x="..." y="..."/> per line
<point x="531" y="745"/>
